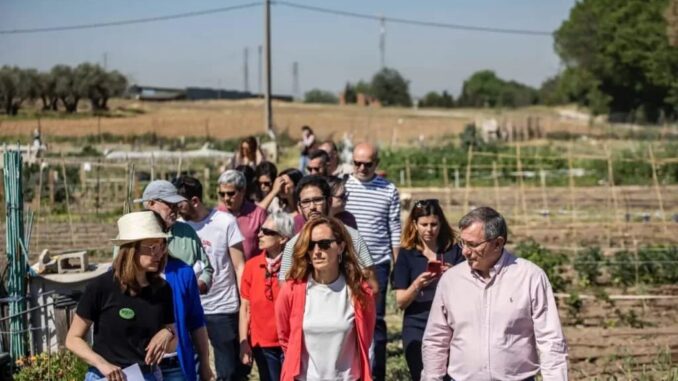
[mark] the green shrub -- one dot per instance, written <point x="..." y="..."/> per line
<point x="551" y="263"/>
<point x="587" y="265"/>
<point x="396" y="369"/>
<point x="62" y="366"/>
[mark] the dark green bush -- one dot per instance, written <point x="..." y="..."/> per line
<point x="551" y="263"/>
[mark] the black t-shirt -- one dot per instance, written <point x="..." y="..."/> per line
<point x="410" y="264"/>
<point x="124" y="324"/>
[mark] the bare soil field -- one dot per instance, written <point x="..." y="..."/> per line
<point x="232" y="119"/>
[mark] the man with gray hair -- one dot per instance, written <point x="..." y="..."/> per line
<point x="232" y="192"/>
<point x="494" y="316"/>
<point x="161" y="197"/>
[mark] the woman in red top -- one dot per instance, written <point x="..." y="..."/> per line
<point x="258" y="289"/>
<point x="325" y="312"/>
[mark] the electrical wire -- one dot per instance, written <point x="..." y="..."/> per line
<point x="474" y="28"/>
<point x="132" y="21"/>
<point x="395" y="20"/>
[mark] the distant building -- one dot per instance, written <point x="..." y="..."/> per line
<point x="151" y="93"/>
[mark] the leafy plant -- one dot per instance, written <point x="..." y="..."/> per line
<point x="587" y="265"/>
<point x="551" y="263"/>
<point x="56" y="366"/>
<point x="574" y="305"/>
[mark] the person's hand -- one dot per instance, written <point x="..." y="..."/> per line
<point x="278" y="185"/>
<point x="245" y="352"/>
<point x="206" y="372"/>
<point x="158" y="346"/>
<point x="112" y="372"/>
<point x="202" y="287"/>
<point x="424" y="279"/>
<point x="446" y="266"/>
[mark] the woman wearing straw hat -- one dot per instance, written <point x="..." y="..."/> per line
<point x="131" y="306"/>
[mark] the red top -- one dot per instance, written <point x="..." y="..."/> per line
<point x="289" y="315"/>
<point x="250" y="219"/>
<point x="261" y="292"/>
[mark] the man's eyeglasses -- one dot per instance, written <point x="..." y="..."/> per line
<point x="426" y="203"/>
<point x="172" y="207"/>
<point x="366" y="164"/>
<point x="323" y="244"/>
<point x="473" y="246"/>
<point x="230" y="193"/>
<point x="268" y="232"/>
<point x="305" y="203"/>
<point x="313" y="169"/>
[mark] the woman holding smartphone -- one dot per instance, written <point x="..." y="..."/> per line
<point x="427" y="249"/>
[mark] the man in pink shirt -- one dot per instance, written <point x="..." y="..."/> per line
<point x="494" y="316"/>
<point x="250" y="217"/>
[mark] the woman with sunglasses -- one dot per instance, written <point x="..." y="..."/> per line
<point x="131" y="307"/>
<point x="281" y="196"/>
<point x="325" y="312"/>
<point x="248" y="153"/>
<point x="258" y="290"/>
<point x="427" y="249"/>
<point x="264" y="175"/>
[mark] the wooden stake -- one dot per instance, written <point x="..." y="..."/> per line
<point x="206" y="183"/>
<point x="571" y="186"/>
<point x="467" y="190"/>
<point x="408" y="174"/>
<point x="613" y="192"/>
<point x="68" y="207"/>
<point x="495" y="178"/>
<point x="544" y="198"/>
<point x="152" y="167"/>
<point x="657" y="188"/>
<point x="521" y="183"/>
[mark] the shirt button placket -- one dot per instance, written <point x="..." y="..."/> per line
<point x="487" y="295"/>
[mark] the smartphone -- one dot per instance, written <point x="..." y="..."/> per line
<point x="435" y="267"/>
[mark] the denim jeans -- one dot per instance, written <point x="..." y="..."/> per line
<point x="382" y="272"/>
<point x="222" y="330"/>
<point x="269" y="361"/>
<point x="93" y="374"/>
<point x="172" y="373"/>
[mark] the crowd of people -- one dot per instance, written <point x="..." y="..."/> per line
<point x="291" y="270"/>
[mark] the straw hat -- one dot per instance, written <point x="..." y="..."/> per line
<point x="138" y="226"/>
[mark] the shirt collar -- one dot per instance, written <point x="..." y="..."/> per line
<point x="496" y="269"/>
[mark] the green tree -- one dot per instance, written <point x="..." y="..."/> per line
<point x="485" y="89"/>
<point x="47" y="92"/>
<point x="622" y="49"/>
<point x="350" y="95"/>
<point x="16" y="86"/>
<point x="68" y="87"/>
<point x="433" y="99"/>
<point x="391" y="88"/>
<point x="320" y="96"/>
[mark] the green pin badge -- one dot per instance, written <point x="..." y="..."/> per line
<point x="126" y="313"/>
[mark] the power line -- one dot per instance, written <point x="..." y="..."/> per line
<point x="475" y="28"/>
<point x="132" y="21"/>
<point x="416" y="22"/>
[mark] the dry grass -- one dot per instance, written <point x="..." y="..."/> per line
<point x="231" y="119"/>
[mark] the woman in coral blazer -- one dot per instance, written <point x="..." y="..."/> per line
<point x="325" y="312"/>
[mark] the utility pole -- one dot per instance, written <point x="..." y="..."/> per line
<point x="268" y="110"/>
<point x="382" y="42"/>
<point x="295" y="79"/>
<point x="259" y="70"/>
<point x="245" y="69"/>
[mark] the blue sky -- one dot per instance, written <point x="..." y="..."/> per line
<point x="208" y="50"/>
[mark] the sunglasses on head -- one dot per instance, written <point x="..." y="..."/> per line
<point x="265" y="183"/>
<point x="323" y="244"/>
<point x="230" y="193"/>
<point x="268" y="232"/>
<point x="426" y="203"/>
<point x="366" y="164"/>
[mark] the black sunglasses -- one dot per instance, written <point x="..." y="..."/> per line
<point x="366" y="164"/>
<point x="268" y="232"/>
<point x="324" y="244"/>
<point x="230" y="194"/>
<point x="426" y="203"/>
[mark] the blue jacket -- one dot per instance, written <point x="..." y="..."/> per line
<point x="188" y="312"/>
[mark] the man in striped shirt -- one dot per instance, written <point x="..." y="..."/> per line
<point x="375" y="203"/>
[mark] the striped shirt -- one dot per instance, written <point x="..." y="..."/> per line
<point x="364" y="257"/>
<point x="376" y="207"/>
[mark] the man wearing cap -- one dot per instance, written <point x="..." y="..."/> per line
<point x="161" y="197"/>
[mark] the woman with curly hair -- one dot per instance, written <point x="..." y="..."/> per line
<point x="325" y="312"/>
